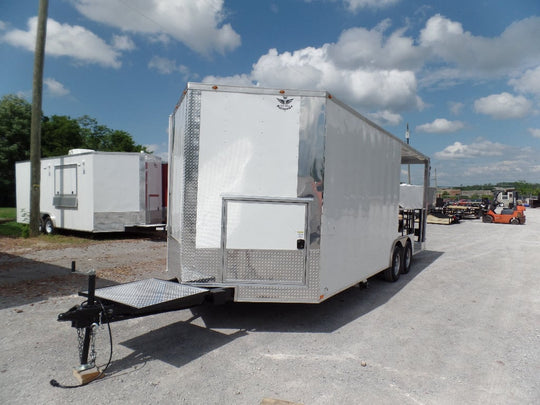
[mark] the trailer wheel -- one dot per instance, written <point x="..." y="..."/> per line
<point x="48" y="226"/>
<point x="487" y="218"/>
<point x="407" y="258"/>
<point x="514" y="221"/>
<point x="392" y="273"/>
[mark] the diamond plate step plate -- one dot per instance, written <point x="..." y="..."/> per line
<point x="147" y="293"/>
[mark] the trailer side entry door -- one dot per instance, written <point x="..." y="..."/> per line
<point x="263" y="240"/>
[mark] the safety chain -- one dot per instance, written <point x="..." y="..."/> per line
<point x="92" y="353"/>
<point x="80" y="336"/>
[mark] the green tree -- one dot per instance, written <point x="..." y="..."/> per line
<point x="15" y="116"/>
<point x="100" y="137"/>
<point x="93" y="134"/>
<point x="60" y="134"/>
<point x="122" y="141"/>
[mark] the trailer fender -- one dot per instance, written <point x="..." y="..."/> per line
<point x="393" y="272"/>
<point x="397" y="260"/>
<point x="400" y="243"/>
<point x="407" y="257"/>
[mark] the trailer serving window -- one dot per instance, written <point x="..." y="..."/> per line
<point x="65" y="186"/>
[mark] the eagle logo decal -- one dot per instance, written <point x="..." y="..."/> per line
<point x="285" y="103"/>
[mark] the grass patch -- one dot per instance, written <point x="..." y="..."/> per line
<point x="61" y="240"/>
<point x="8" y="225"/>
<point x="12" y="229"/>
<point x="8" y="213"/>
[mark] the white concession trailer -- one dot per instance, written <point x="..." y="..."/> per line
<point x="274" y="196"/>
<point x="94" y="191"/>
<point x="286" y="195"/>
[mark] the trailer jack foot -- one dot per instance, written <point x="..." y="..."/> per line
<point x="87" y="375"/>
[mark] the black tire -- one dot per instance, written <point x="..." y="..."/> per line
<point x="514" y="221"/>
<point x="48" y="226"/>
<point x="407" y="259"/>
<point x="488" y="219"/>
<point x="392" y="273"/>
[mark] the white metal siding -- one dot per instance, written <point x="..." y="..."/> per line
<point x="117" y="183"/>
<point x="361" y="193"/>
<point x="239" y="156"/>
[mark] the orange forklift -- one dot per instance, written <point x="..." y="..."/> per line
<point x="496" y="211"/>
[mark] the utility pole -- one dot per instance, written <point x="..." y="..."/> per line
<point x="407" y="136"/>
<point x="35" y="126"/>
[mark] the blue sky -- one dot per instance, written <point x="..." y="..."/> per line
<point x="465" y="75"/>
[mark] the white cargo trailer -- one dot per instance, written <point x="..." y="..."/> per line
<point x="285" y="195"/>
<point x="94" y="191"/>
<point x="274" y="196"/>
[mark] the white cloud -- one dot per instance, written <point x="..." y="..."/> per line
<point x="123" y="43"/>
<point x="167" y="66"/>
<point x="503" y="106"/>
<point x="66" y="40"/>
<point x="371" y="49"/>
<point x="381" y="70"/>
<point x="355" y="5"/>
<point x="516" y="47"/>
<point x="535" y="132"/>
<point x="160" y="150"/>
<point x="236" y="80"/>
<point x="3" y="25"/>
<point x="55" y="88"/>
<point x="314" y="68"/>
<point x="501" y="167"/>
<point x="481" y="148"/>
<point x="529" y="82"/>
<point x="368" y="69"/>
<point x="441" y="126"/>
<point x="197" y="24"/>
<point x="151" y="147"/>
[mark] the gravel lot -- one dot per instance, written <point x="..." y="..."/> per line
<point x="462" y="327"/>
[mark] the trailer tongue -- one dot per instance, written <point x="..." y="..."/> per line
<point x="139" y="298"/>
<point x="126" y="301"/>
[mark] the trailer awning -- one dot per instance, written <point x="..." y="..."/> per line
<point x="410" y="156"/>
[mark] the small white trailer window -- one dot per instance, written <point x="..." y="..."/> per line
<point x="65" y="186"/>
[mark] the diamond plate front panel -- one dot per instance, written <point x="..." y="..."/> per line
<point x="204" y="268"/>
<point x="309" y="293"/>
<point x="270" y="266"/>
